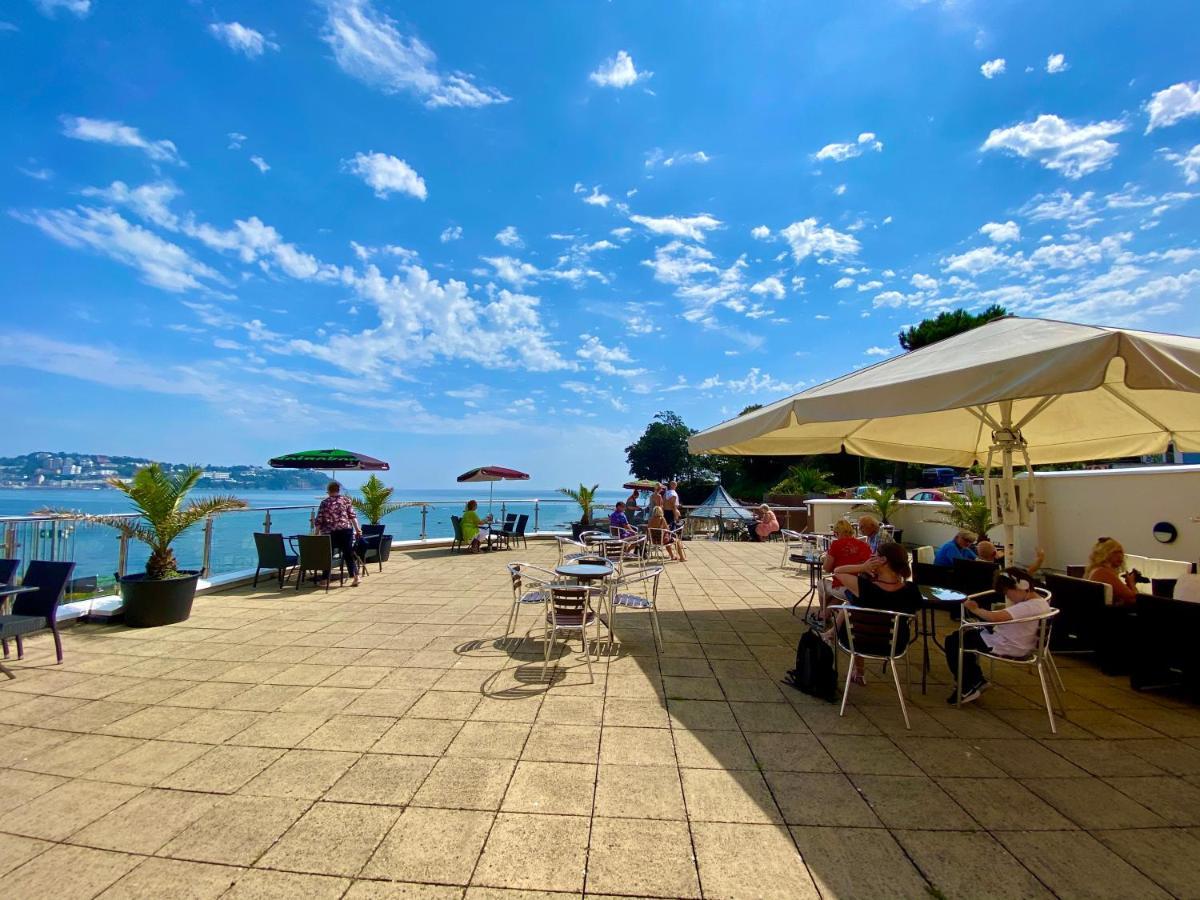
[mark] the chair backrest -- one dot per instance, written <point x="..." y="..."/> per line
<point x="973" y="575"/>
<point x="50" y="579"/>
<point x="8" y="570"/>
<point x="879" y="633"/>
<point x="522" y="521"/>
<point x="374" y="529"/>
<point x="316" y="551"/>
<point x="569" y="599"/>
<point x="269" y="545"/>
<point x="456" y="522"/>
<point x="659" y="535"/>
<point x="933" y="575"/>
<point x="924" y="554"/>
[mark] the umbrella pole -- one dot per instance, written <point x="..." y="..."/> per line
<point x="491" y="491"/>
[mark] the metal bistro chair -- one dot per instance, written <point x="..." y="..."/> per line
<point x="37" y="610"/>
<point x="316" y="555"/>
<point x="876" y="634"/>
<point x="637" y="590"/>
<point x="569" y="608"/>
<point x="570" y="550"/>
<point x="1040" y="657"/>
<point x="530" y="584"/>
<point x="273" y="555"/>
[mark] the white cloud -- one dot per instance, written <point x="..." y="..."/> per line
<point x="977" y="261"/>
<point x="596" y="197"/>
<point x="993" y="67"/>
<point x="160" y="263"/>
<point x="149" y="201"/>
<point x="509" y="237"/>
<point x="1073" y="150"/>
<point x="769" y="287"/>
<point x="39" y="174"/>
<point x="1188" y="163"/>
<point x="842" y="152"/>
<point x="618" y="72"/>
<point x="607" y="360"/>
<point x="368" y="46"/>
<point x="260" y="164"/>
<point x="1062" y="206"/>
<point x="839" y="190"/>
<point x="1056" y="63"/>
<point x="870" y="286"/>
<point x="843" y="282"/>
<point x="1002" y="232"/>
<point x="1173" y="104"/>
<point x="877" y="351"/>
<point x="760" y="232"/>
<point x="242" y="39"/>
<point x="889" y="298"/>
<point x="450" y="233"/>
<point x="755" y="382"/>
<point x="105" y="131"/>
<point x="387" y="174"/>
<point x="656" y="157"/>
<point x="519" y="273"/>
<point x="256" y="242"/>
<point x="50" y="8"/>
<point x="595" y="246"/>
<point x="7" y="26"/>
<point x="807" y="237"/>
<point x="923" y="282"/>
<point x="236" y="139"/>
<point x="692" y="227"/>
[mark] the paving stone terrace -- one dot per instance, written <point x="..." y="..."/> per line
<point x="378" y="742"/>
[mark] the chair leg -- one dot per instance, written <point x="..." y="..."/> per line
<point x="1046" y="694"/>
<point x="256" y="571"/>
<point x="512" y="621"/>
<point x="4" y="644"/>
<point x="900" y="694"/>
<point x="546" y="647"/>
<point x="57" y="643"/>
<point x="846" y="692"/>
<point x="299" y="577"/>
<point x="587" y="650"/>
<point x="20" y="648"/>
<point x="1054" y="668"/>
<point x="657" y="628"/>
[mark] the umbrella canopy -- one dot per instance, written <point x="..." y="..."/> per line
<point x="641" y="485"/>
<point x="720" y="505"/>
<point x="1047" y="391"/>
<point x="493" y="473"/>
<point x="329" y="459"/>
<point x="1074" y="392"/>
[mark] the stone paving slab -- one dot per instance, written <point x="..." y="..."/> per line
<point x="388" y="741"/>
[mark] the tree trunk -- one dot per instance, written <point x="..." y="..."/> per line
<point x="161" y="563"/>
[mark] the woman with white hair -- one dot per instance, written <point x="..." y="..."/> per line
<point x="766" y="525"/>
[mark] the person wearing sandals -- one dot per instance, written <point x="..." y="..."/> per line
<point x="336" y="518"/>
<point x="879" y="583"/>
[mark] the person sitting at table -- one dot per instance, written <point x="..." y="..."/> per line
<point x="618" y="521"/>
<point x="1104" y="565"/>
<point x="845" y="550"/>
<point x="766" y="525"/>
<point x="958" y="547"/>
<point x="868" y="527"/>
<point x="879" y="583"/>
<point x="1021" y="602"/>
<point x="660" y="533"/>
<point x="986" y="551"/>
<point x="336" y="518"/>
<point x="472" y="526"/>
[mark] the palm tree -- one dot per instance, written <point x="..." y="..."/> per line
<point x="884" y="501"/>
<point x="586" y="498"/>
<point x="968" y="512"/>
<point x="374" y="501"/>
<point x="158" y="497"/>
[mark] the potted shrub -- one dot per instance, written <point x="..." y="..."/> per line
<point x="799" y="485"/>
<point x="373" y="504"/>
<point x="163" y="594"/>
<point x="883" y="503"/>
<point x="586" y="498"/>
<point x="968" y="512"/>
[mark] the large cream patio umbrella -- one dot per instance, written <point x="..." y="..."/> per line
<point x="1047" y="392"/>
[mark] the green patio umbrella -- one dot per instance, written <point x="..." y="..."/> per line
<point x="332" y="460"/>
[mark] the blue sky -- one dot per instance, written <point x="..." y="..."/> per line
<point x="457" y="234"/>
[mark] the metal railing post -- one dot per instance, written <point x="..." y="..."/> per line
<point x="267" y="522"/>
<point x="122" y="556"/>
<point x="10" y="541"/>
<point x="424" y="517"/>
<point x="503" y="510"/>
<point x="312" y="520"/>
<point x="206" y="560"/>
<point x="537" y="508"/>
<point x="54" y="540"/>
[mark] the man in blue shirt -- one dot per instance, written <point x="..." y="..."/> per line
<point x="958" y="547"/>
<point x="619" y="521"/>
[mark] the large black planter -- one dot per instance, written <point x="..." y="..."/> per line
<point x="578" y="528"/>
<point x="152" y="602"/>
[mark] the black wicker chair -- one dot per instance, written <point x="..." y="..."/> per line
<point x="37" y="610"/>
<point x="272" y="555"/>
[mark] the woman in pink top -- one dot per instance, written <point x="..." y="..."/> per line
<point x="336" y="518"/>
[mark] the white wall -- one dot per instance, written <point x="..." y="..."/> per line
<point x="1072" y="510"/>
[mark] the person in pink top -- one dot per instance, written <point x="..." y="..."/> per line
<point x="336" y="518"/>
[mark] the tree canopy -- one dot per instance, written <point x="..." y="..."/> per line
<point x="947" y="324"/>
<point x="661" y="451"/>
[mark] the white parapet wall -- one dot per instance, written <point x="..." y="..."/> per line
<point x="1073" y="509"/>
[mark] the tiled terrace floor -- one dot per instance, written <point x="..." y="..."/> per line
<point x="377" y="743"/>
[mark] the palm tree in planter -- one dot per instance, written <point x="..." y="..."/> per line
<point x="968" y="512"/>
<point x="374" y="504"/>
<point x="163" y="594"/>
<point x="586" y="498"/>
<point x="883" y="503"/>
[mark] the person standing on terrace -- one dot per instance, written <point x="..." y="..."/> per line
<point x="671" y="503"/>
<point x="336" y="518"/>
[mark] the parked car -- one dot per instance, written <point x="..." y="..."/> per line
<point x="937" y="476"/>
<point x="927" y="495"/>
<point x="861" y="491"/>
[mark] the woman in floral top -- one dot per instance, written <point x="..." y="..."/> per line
<point x="336" y="518"/>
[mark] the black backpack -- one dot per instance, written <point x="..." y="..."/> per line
<point x="814" y="673"/>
